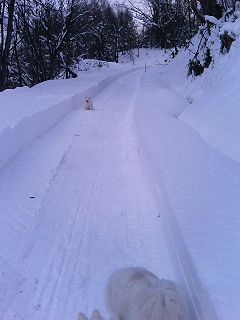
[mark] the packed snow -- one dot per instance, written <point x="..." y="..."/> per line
<point x="150" y="178"/>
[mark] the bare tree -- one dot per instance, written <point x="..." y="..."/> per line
<point x="7" y="8"/>
<point x="208" y="7"/>
<point x="40" y="40"/>
<point x="167" y="23"/>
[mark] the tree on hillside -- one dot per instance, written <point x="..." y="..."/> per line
<point x="7" y="8"/>
<point x="167" y="23"/>
<point x="211" y="27"/>
<point x="125" y="32"/>
<point x="208" y="7"/>
<point x="47" y="33"/>
<point x="113" y="31"/>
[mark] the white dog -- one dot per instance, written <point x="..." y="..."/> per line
<point x="88" y="104"/>
<point x="137" y="294"/>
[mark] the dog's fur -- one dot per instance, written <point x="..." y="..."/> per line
<point x="88" y="104"/>
<point x="137" y="294"/>
<point x="95" y="316"/>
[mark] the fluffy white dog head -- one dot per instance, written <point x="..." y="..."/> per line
<point x="137" y="294"/>
<point x="95" y="316"/>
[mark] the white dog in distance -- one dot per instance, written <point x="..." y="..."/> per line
<point x="137" y="294"/>
<point x="88" y="104"/>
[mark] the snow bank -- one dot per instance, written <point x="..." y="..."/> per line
<point x="214" y="96"/>
<point x="28" y="113"/>
<point x="215" y="114"/>
<point x="200" y="189"/>
<point x="156" y="136"/>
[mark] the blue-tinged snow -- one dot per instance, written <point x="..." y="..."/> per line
<point x="151" y="177"/>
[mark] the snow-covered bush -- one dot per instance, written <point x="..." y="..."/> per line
<point x="215" y="37"/>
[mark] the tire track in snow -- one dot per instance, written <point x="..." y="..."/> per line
<point x="58" y="264"/>
<point x="95" y="189"/>
<point x="43" y="293"/>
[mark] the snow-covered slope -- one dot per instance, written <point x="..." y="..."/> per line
<point x="146" y="57"/>
<point x="216" y="113"/>
<point x="214" y="96"/>
<point x="201" y="170"/>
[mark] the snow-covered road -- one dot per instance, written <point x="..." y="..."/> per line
<point x="75" y="205"/>
<point x="141" y="180"/>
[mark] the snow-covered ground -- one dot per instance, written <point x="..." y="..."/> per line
<point x="91" y="212"/>
<point x="134" y="182"/>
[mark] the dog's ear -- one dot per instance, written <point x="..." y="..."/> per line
<point x="81" y="316"/>
<point x="96" y="315"/>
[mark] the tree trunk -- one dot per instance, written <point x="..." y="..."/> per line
<point x="5" y="53"/>
<point x="196" y="11"/>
